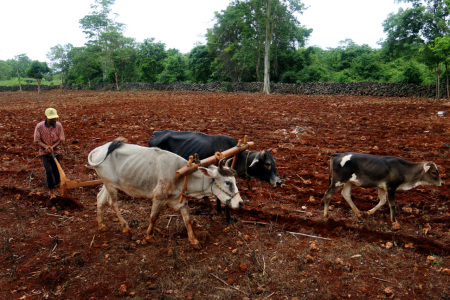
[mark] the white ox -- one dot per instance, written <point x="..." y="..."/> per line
<point x="150" y="173"/>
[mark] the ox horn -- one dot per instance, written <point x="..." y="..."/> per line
<point x="225" y="171"/>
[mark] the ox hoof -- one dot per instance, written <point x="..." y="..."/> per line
<point x="150" y="239"/>
<point x="395" y="226"/>
<point x="127" y="232"/>
<point x="161" y="232"/>
<point x="101" y="227"/>
<point x="196" y="245"/>
<point x="231" y="226"/>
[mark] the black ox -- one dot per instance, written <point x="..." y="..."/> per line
<point x="249" y="164"/>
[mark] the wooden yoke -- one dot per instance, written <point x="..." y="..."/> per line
<point x="212" y="159"/>
<point x="235" y="156"/>
<point x="186" y="178"/>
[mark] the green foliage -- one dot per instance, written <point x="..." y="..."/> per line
<point x="289" y="77"/>
<point x="19" y="65"/>
<point x="312" y="74"/>
<point x="237" y="39"/>
<point x="441" y="48"/>
<point x="37" y="70"/>
<point x="5" y="70"/>
<point x="199" y="64"/>
<point x="150" y="58"/>
<point x="174" y="69"/>
<point x="227" y="87"/>
<point x="86" y="65"/>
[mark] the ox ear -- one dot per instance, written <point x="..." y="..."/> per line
<point x="256" y="159"/>
<point x="426" y="167"/>
<point x="208" y="172"/>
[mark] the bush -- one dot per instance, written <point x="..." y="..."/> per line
<point x="311" y="74"/>
<point x="227" y="87"/>
<point x="289" y="77"/>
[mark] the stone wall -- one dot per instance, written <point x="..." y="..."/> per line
<point x="316" y="88"/>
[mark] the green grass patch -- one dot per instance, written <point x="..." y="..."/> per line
<point x="24" y="81"/>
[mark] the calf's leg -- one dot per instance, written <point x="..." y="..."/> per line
<point x="346" y="191"/>
<point x="392" y="208"/>
<point x="327" y="198"/>
<point x="382" y="195"/>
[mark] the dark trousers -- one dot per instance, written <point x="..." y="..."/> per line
<point x="51" y="171"/>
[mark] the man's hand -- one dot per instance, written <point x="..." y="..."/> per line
<point x="49" y="150"/>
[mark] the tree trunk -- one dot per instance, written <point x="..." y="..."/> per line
<point x="39" y="85"/>
<point x="258" y="64"/>
<point x="61" y="81"/>
<point x="20" y="85"/>
<point x="438" y="82"/>
<point x="116" y="77"/>
<point x="104" y="70"/>
<point x="447" y="81"/>
<point x="266" y="52"/>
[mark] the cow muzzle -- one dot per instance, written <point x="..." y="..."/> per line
<point x="234" y="204"/>
<point x="275" y="181"/>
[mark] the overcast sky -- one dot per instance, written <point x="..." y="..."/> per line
<point x="32" y="27"/>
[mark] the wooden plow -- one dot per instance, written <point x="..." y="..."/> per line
<point x="67" y="184"/>
<point x="193" y="166"/>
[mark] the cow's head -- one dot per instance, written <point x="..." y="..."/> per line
<point x="223" y="184"/>
<point x="431" y="175"/>
<point x="263" y="168"/>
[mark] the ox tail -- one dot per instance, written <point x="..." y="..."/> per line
<point x="333" y="156"/>
<point x="113" y="146"/>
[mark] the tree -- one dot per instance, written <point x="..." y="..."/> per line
<point x="199" y="63"/>
<point x="85" y="63"/>
<point x="417" y="28"/>
<point x="37" y="70"/>
<point x="120" y="54"/>
<point x="5" y="70"/>
<point x="19" y="65"/>
<point x="150" y="58"/>
<point x="269" y="32"/>
<point x="174" y="67"/>
<point x="235" y="43"/>
<point x="254" y="31"/>
<point x="441" y="48"/>
<point x="281" y="25"/>
<point x="59" y="55"/>
<point x="99" y="27"/>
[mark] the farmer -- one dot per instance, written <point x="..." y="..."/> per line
<point x="48" y="135"/>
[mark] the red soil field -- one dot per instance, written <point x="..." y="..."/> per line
<point x="55" y="251"/>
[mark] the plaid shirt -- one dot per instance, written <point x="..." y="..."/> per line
<point x="48" y="135"/>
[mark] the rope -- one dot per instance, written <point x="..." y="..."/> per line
<point x="228" y="194"/>
<point x="246" y="164"/>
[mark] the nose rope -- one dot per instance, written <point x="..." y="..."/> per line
<point x="227" y="193"/>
